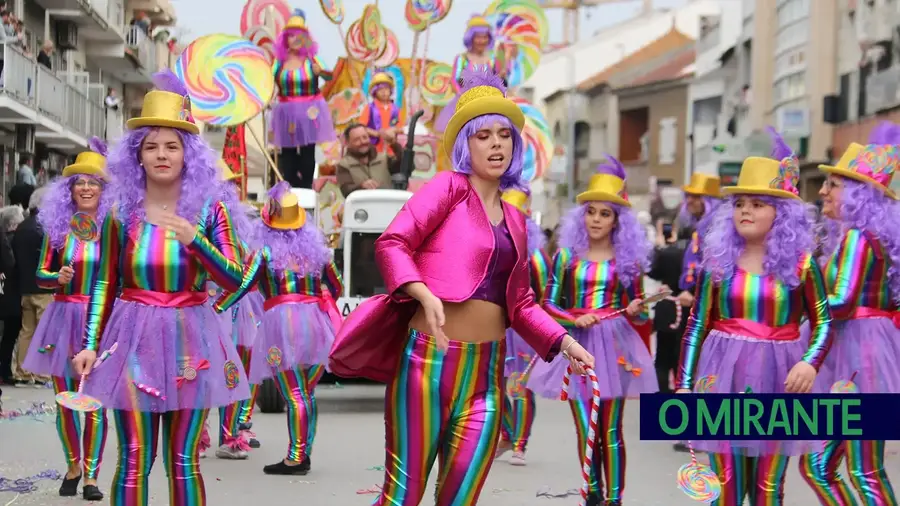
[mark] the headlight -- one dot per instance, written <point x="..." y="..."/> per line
<point x="360" y="216"/>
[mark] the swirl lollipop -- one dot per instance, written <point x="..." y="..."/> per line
<point x="705" y="384"/>
<point x="845" y="386"/>
<point x="538" y="141"/>
<point x="333" y="10"/>
<point x="84" y="227"/>
<point x="523" y="25"/>
<point x="437" y="88"/>
<point x="698" y="481"/>
<point x="262" y="37"/>
<point x="229" y="79"/>
<point x="78" y="400"/>
<point x="515" y="385"/>
<point x="356" y="47"/>
<point x="391" y="50"/>
<point x="372" y="31"/>
<point x="274" y="356"/>
<point x="256" y="11"/>
<point x="422" y="13"/>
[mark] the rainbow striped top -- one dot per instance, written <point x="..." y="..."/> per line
<point x="146" y="257"/>
<point x="540" y="273"/>
<point x="301" y="81"/>
<point x="461" y="63"/>
<point x="82" y="257"/>
<point x="585" y="284"/>
<point x="693" y="258"/>
<point x="274" y="283"/>
<point x="761" y="299"/>
<point x="857" y="275"/>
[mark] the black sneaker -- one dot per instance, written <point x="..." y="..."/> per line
<point x="594" y="500"/>
<point x="69" y="487"/>
<point x="253" y="442"/>
<point x="681" y="447"/>
<point x="91" y="493"/>
<point x="284" y="469"/>
<point x="245" y="426"/>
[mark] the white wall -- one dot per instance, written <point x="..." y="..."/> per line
<point x="731" y="22"/>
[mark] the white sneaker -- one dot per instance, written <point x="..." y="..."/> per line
<point x="517" y="459"/>
<point x="202" y="454"/>
<point x="228" y="453"/>
<point x="502" y="448"/>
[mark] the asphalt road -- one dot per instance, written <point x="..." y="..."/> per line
<point x="350" y="442"/>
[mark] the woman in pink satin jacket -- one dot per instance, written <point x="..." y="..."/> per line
<point x="455" y="262"/>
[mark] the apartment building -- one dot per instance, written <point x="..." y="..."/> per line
<point x="50" y="109"/>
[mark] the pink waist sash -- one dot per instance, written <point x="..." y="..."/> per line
<point x="325" y="302"/>
<point x="301" y="98"/>
<point x="871" y="312"/>
<point x="76" y="298"/>
<point x="164" y="299"/>
<point x="757" y="330"/>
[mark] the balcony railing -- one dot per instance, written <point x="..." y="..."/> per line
<point x="143" y="48"/>
<point x="709" y="40"/>
<point x="41" y="89"/>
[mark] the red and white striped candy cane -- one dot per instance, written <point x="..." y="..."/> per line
<point x="592" y="427"/>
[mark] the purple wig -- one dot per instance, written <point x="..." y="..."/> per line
<point x="710" y="204"/>
<point x="631" y="246"/>
<point x="461" y="157"/>
<point x="198" y="175"/>
<point x="283" y="50"/>
<point x="58" y="205"/>
<point x="469" y="37"/>
<point x="303" y="250"/>
<point x="536" y="238"/>
<point x="792" y="236"/>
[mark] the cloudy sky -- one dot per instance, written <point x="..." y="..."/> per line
<point x="223" y="16"/>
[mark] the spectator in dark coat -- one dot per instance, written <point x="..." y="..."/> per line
<point x="10" y="299"/>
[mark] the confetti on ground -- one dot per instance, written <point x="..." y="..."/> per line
<point x="304" y="482"/>
<point x="374" y="490"/>
<point x="26" y="485"/>
<point x="376" y="468"/>
<point x="36" y="412"/>
<point x="546" y="492"/>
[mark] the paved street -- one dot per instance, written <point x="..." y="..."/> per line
<point x="350" y="440"/>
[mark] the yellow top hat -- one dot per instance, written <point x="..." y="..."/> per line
<point x="874" y="164"/>
<point x="518" y="199"/>
<point x="227" y="173"/>
<point x="297" y="21"/>
<point x="381" y="78"/>
<point x="88" y="163"/>
<point x="286" y="214"/>
<point x="478" y="22"/>
<point x="165" y="109"/>
<point x="704" y="185"/>
<point x="605" y="188"/>
<point x="478" y="101"/>
<point x="765" y="176"/>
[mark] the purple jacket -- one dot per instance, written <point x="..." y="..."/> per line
<point x="442" y="237"/>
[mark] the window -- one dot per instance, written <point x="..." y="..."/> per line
<point x="790" y="87"/>
<point x="792" y="10"/>
<point x="794" y="35"/>
<point x="668" y="134"/>
<point x="790" y="61"/>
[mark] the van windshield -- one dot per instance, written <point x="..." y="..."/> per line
<point x="365" y="278"/>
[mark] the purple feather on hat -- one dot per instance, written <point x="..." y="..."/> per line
<point x="166" y="80"/>
<point x="481" y="77"/>
<point x="279" y="190"/>
<point x="98" y="146"/>
<point x="885" y="133"/>
<point x="612" y="166"/>
<point x="780" y="148"/>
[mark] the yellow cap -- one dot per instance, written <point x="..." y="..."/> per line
<point x="479" y="22"/>
<point x="704" y="185"/>
<point x="765" y="176"/>
<point x="518" y="199"/>
<point x="874" y="164"/>
<point x="165" y="109"/>
<point x="296" y="22"/>
<point x="286" y="215"/>
<point x="605" y="188"/>
<point x="381" y="78"/>
<point x="479" y="101"/>
<point x="88" y="163"/>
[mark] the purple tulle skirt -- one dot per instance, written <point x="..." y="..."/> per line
<point x="291" y="334"/>
<point x="869" y="347"/>
<point x="57" y="339"/>
<point x="607" y="341"/>
<point x="440" y="123"/>
<point x="518" y="353"/>
<point x="248" y="319"/>
<point x="301" y="123"/>
<point x="738" y="362"/>
<point x="167" y="359"/>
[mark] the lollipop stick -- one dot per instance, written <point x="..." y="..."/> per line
<point x="852" y="376"/>
<point x="262" y="147"/>
<point x="81" y="383"/>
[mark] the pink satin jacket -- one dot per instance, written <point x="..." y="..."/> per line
<point x="442" y="237"/>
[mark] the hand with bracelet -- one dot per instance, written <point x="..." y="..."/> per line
<point x="576" y="355"/>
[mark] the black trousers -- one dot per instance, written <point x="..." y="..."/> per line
<point x="11" y="327"/>
<point x="668" y="349"/>
<point x="298" y="165"/>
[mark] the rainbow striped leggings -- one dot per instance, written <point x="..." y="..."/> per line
<point x="518" y="417"/>
<point x="231" y="417"/>
<point x="759" y="478"/>
<point x="442" y="404"/>
<point x="138" y="433"/>
<point x="865" y="465"/>
<point x="86" y="447"/>
<point x="297" y="387"/>
<point x="609" y="446"/>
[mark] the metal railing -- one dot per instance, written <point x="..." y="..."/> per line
<point x="50" y="95"/>
<point x="143" y="47"/>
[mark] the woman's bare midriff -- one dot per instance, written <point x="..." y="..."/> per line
<point x="472" y="321"/>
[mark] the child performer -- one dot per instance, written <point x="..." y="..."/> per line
<point x="757" y="280"/>
<point x="300" y="318"/>
<point x="172" y="360"/>
<point x="71" y="267"/>
<point x="382" y="117"/>
<point x="863" y="249"/>
<point x="518" y="413"/>
<point x="437" y="336"/>
<point x="599" y="268"/>
<point x="701" y="199"/>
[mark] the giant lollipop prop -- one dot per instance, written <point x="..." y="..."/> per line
<point x="84" y="229"/>
<point x="255" y="13"/>
<point x="845" y="386"/>
<point x="592" y="427"/>
<point x="538" y="141"/>
<point x="697" y="480"/>
<point x="420" y="15"/>
<point x="523" y="25"/>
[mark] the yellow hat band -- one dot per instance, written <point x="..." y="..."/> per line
<point x="476" y="93"/>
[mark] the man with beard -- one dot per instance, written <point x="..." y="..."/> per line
<point x="363" y="167"/>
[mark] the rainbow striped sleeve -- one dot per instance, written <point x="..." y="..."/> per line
<point x="855" y="257"/>
<point x="553" y="298"/>
<point x="333" y="280"/>
<point x="636" y="291"/>
<point x="326" y="74"/>
<point x="255" y="266"/>
<point x="815" y="297"/>
<point x="695" y="333"/>
<point x="540" y="272"/>
<point x="459" y="64"/>
<point x="217" y="250"/>
<point x="106" y="284"/>
<point x="46" y="276"/>
<point x="690" y="264"/>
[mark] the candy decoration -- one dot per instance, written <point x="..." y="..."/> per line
<point x="228" y="78"/>
<point x="105" y="355"/>
<point x="391" y="50"/>
<point x="705" y="384"/>
<point x="78" y="401"/>
<point x="36" y="412"/>
<point x="333" y="10"/>
<point x="845" y="386"/>
<point x="515" y="385"/>
<point x="422" y="13"/>
<point x="356" y="46"/>
<point x="523" y="25"/>
<point x="255" y="11"/>
<point x="347" y="105"/>
<point x="538" y="141"/>
<point x="274" y="356"/>
<point x="698" y="481"/>
<point x="437" y="87"/>
<point x="232" y="375"/>
<point x="46" y="349"/>
<point x="262" y="37"/>
<point x="84" y="227"/>
<point x="149" y="390"/>
<point x="372" y="31"/>
<point x="628" y="367"/>
<point x="592" y="427"/>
